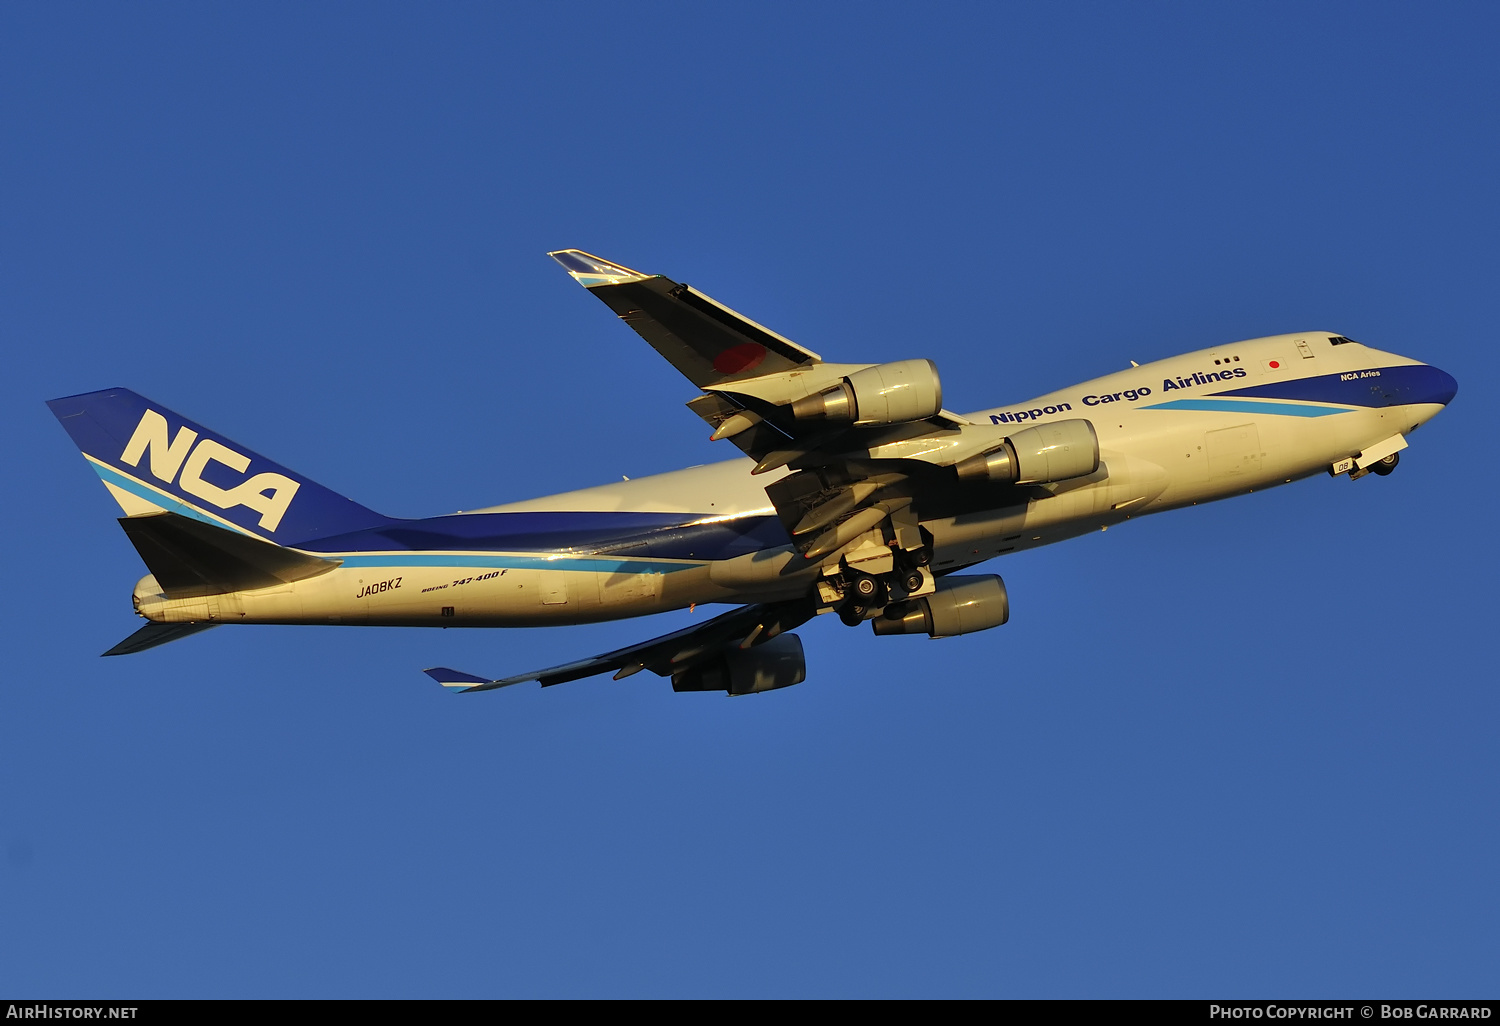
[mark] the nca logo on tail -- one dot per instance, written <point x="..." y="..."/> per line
<point x="267" y="494"/>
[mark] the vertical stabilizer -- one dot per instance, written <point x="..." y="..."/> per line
<point x="153" y="460"/>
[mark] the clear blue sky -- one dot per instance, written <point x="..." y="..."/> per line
<point x="1240" y="750"/>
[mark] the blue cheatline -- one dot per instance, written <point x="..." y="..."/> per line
<point x="1407" y="385"/>
<point x="665" y="542"/>
<point x="600" y="564"/>
<point x="516" y="561"/>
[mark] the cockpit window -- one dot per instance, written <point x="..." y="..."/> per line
<point x="1339" y="340"/>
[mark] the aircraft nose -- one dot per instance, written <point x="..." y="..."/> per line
<point x="1444" y="386"/>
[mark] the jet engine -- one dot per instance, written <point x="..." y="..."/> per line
<point x="961" y="605"/>
<point x="888" y="393"/>
<point x="1035" y="455"/>
<point x="777" y="663"/>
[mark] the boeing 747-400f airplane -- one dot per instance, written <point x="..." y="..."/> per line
<point x="857" y="494"/>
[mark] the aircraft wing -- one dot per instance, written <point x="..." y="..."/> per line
<point x="851" y="476"/>
<point x="731" y="358"/>
<point x="741" y="628"/>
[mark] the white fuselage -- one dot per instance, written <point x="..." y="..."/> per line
<point x="1162" y="444"/>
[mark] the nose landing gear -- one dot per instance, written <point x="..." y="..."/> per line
<point x="1381" y="467"/>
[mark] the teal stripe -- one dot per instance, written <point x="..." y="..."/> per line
<point x="593" y="564"/>
<point x="1245" y="406"/>
<point x="166" y="502"/>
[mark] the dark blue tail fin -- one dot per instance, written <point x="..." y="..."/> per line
<point x="152" y="459"/>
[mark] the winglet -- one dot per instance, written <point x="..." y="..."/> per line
<point x="589" y="270"/>
<point x="456" y="679"/>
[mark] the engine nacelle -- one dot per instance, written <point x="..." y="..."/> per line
<point x="961" y="605"/>
<point x="889" y="393"/>
<point x="1047" y="452"/>
<point x="777" y="663"/>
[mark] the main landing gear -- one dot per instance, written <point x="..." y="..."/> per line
<point x="865" y="595"/>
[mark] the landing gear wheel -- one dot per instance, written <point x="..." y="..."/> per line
<point x="913" y="581"/>
<point x="1385" y="466"/>
<point x="852" y="616"/>
<point x="866" y="587"/>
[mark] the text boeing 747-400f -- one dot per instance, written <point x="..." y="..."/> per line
<point x="860" y="496"/>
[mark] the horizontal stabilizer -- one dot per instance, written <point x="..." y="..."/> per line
<point x="191" y="558"/>
<point x="455" y="678"/>
<point x="154" y="634"/>
<point x="664" y="656"/>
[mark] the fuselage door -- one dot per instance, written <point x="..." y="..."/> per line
<point x="554" y="587"/>
<point x="1233" y="453"/>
